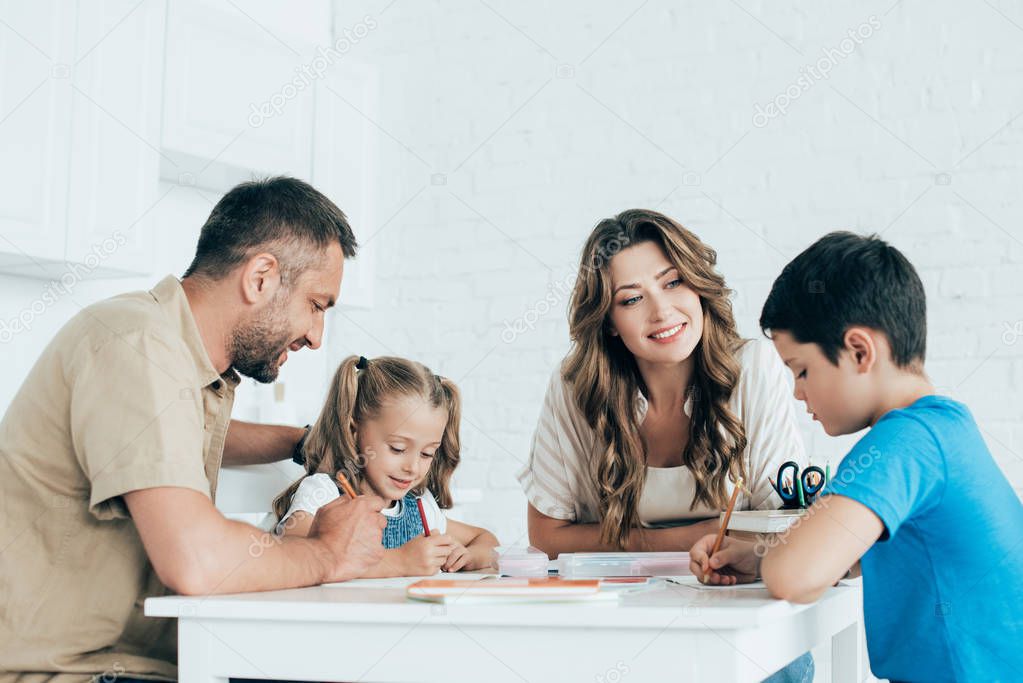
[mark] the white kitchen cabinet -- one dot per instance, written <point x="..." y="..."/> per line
<point x="115" y="134"/>
<point x="238" y="101"/>
<point x="246" y="95"/>
<point x="36" y="50"/>
<point x="100" y="99"/>
<point x="80" y="108"/>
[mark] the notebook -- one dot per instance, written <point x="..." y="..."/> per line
<point x="764" y="521"/>
<point x="509" y="590"/>
<point x="405" y="581"/>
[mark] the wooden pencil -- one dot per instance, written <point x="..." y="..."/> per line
<point x="724" y="527"/>
<point x="342" y="481"/>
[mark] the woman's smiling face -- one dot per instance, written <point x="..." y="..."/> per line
<point x="658" y="317"/>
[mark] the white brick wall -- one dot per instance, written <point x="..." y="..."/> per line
<point x="908" y="136"/>
<point x="528" y="122"/>
<point x="507" y="129"/>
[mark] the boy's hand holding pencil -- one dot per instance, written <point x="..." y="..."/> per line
<point x="734" y="562"/>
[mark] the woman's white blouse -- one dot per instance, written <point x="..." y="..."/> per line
<point x="559" y="479"/>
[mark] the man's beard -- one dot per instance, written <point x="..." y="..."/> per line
<point x="256" y="345"/>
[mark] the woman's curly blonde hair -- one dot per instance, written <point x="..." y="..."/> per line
<point x="604" y="377"/>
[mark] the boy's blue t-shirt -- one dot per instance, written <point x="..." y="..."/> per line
<point x="943" y="586"/>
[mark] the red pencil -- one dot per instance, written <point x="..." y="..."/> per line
<point x="422" y="516"/>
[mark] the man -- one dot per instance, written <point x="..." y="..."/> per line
<point x="110" y="451"/>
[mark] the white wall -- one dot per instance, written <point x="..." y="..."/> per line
<point x="545" y="117"/>
<point x="506" y="130"/>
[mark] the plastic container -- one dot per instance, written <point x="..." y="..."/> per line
<point x="521" y="561"/>
<point x="599" y="565"/>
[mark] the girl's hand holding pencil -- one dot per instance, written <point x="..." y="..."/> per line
<point x="458" y="559"/>
<point x="425" y="555"/>
<point x="468" y="559"/>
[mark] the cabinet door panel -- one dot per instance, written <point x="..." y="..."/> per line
<point x="36" y="46"/>
<point x="236" y="98"/>
<point x="115" y="134"/>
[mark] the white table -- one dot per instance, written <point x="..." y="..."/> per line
<point x="368" y="632"/>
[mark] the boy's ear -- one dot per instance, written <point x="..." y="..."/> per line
<point x="861" y="347"/>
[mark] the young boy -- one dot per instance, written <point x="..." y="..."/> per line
<point x="918" y="501"/>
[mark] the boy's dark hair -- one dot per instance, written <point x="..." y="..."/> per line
<point x="284" y="216"/>
<point x="842" y="280"/>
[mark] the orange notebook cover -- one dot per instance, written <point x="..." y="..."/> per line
<point x="511" y="587"/>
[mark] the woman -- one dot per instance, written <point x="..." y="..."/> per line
<point x="660" y="405"/>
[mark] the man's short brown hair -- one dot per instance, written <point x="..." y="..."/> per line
<point x="284" y="216"/>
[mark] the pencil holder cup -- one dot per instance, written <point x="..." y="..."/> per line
<point x="794" y="504"/>
<point x="790" y="504"/>
<point x="796" y="488"/>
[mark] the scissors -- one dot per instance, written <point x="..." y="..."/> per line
<point x="798" y="489"/>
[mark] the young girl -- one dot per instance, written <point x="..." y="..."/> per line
<point x="391" y="427"/>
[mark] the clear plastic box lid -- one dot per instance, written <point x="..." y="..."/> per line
<point x="595" y="565"/>
<point x="520" y="561"/>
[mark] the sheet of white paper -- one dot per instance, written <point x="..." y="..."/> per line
<point x="694" y="582"/>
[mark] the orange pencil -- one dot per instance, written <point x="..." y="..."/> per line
<point x="343" y="482"/>
<point x="724" y="527"/>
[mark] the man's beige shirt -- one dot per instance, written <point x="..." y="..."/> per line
<point x="124" y="398"/>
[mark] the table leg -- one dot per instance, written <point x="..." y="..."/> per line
<point x="846" y="655"/>
<point x="195" y="661"/>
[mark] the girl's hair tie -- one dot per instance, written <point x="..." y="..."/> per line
<point x="362" y="364"/>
